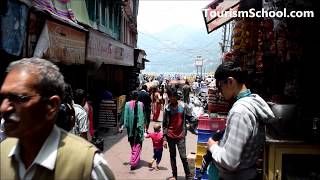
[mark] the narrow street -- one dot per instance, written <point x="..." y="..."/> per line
<point x="246" y="71"/>
<point x="117" y="152"/>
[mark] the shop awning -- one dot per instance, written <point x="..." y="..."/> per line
<point x="145" y="60"/>
<point x="61" y="43"/>
<point x="218" y="7"/>
<point x="139" y="58"/>
<point x="71" y="12"/>
<point x="139" y="54"/>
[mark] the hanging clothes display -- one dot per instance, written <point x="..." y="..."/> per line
<point x="13" y="27"/>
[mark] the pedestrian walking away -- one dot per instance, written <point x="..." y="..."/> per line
<point x="133" y="119"/>
<point x="156" y="103"/>
<point x="186" y="89"/>
<point x="145" y="98"/>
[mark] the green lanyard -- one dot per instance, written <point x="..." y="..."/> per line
<point x="243" y="94"/>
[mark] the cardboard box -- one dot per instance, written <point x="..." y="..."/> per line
<point x="191" y="161"/>
<point x="198" y="161"/>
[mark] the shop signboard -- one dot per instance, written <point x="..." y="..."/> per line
<point x="218" y="8"/>
<point x="108" y="113"/>
<point x="61" y="43"/>
<point x="106" y="50"/>
<point x="199" y="61"/>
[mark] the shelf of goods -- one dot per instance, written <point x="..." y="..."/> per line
<point x="216" y="103"/>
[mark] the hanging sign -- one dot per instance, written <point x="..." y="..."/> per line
<point x="107" y="50"/>
<point x="108" y="113"/>
<point x="213" y="12"/>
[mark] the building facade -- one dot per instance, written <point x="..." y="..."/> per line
<point x="92" y="41"/>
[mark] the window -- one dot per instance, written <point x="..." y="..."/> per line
<point x="104" y="11"/>
<point x="111" y="15"/>
<point x="92" y="9"/>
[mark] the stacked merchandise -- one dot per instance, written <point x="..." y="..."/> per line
<point x="266" y="44"/>
<point x="203" y="136"/>
<point x="216" y="102"/>
<point x="208" y="125"/>
<point x="245" y="35"/>
<point x="245" y="44"/>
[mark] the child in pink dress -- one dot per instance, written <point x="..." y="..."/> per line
<point x="157" y="140"/>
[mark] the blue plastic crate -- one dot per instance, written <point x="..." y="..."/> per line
<point x="204" y="135"/>
<point x="204" y="176"/>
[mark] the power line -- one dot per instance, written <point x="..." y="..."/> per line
<point x="184" y="49"/>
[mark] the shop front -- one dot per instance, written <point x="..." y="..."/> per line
<point x="109" y="63"/>
<point x="109" y="59"/>
<point x="61" y="43"/>
<point x="29" y="29"/>
<point x="279" y="54"/>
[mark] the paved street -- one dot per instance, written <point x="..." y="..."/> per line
<point x="117" y="153"/>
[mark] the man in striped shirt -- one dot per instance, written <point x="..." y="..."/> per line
<point x="236" y="154"/>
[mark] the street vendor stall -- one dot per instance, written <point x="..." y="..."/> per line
<point x="274" y="53"/>
<point x="280" y="55"/>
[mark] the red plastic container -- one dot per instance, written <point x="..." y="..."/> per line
<point x="213" y="124"/>
<point x="218" y="124"/>
<point x="204" y="123"/>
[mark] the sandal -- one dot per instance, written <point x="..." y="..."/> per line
<point x="150" y="163"/>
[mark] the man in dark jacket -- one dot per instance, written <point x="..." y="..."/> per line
<point x="186" y="89"/>
<point x="144" y="97"/>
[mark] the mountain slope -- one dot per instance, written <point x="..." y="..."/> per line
<point x="175" y="49"/>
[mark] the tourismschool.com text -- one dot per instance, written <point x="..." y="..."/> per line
<point x="259" y="14"/>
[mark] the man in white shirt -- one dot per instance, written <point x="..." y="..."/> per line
<point x="81" y="126"/>
<point x="35" y="148"/>
<point x="2" y="134"/>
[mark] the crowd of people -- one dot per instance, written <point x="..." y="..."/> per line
<point x="235" y="153"/>
<point x="46" y="126"/>
<point x="136" y="119"/>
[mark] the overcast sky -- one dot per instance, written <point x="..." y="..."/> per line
<point x="155" y="16"/>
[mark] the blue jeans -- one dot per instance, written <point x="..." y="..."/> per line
<point x="157" y="155"/>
